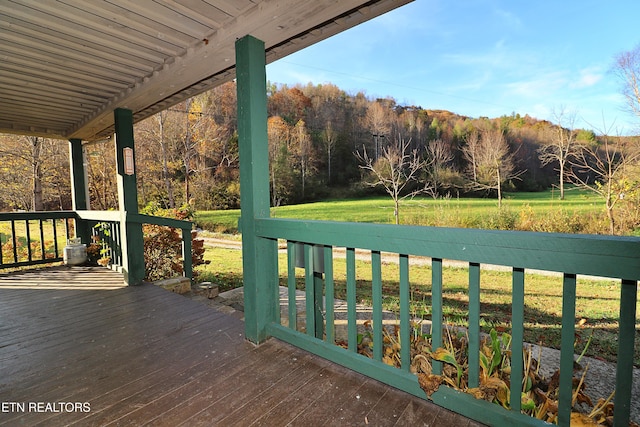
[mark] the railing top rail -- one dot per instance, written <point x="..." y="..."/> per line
<point x="134" y="217"/>
<point x="594" y="255"/>
<point x="99" y="215"/>
<point x="8" y="216"/>
<point x="159" y="220"/>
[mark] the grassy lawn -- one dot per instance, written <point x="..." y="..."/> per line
<point x="540" y="211"/>
<point x="597" y="301"/>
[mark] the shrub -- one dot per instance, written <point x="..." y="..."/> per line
<point x="163" y="245"/>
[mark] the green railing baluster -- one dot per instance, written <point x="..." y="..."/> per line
<point x="566" y="348"/>
<point x="309" y="289"/>
<point x="28" y="234"/>
<point x="1" y="248"/>
<point x="292" y="306"/>
<point x="55" y="239"/>
<point x="275" y="291"/>
<point x="405" y="321"/>
<point x="42" y="251"/>
<point x="329" y="295"/>
<point x="474" y="324"/>
<point x="626" y="344"/>
<point x="517" y="336"/>
<point x="352" y="327"/>
<point x="115" y="243"/>
<point x="376" y="296"/>
<point x="317" y="297"/>
<point x="436" y="309"/>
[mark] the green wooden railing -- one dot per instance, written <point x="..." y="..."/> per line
<point x="32" y="238"/>
<point x="105" y="227"/>
<point x="612" y="257"/>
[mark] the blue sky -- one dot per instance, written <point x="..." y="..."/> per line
<point x="484" y="58"/>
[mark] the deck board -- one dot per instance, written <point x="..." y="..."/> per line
<point x="144" y="356"/>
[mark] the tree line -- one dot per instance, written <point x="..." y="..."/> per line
<point x="324" y="142"/>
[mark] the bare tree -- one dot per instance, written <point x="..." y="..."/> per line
<point x="491" y="162"/>
<point x="303" y="149"/>
<point x="162" y="140"/>
<point x="439" y="156"/>
<point x="561" y="147"/>
<point x="36" y="172"/>
<point x="627" y="67"/>
<point x="396" y="168"/>
<point x="471" y="152"/>
<point x="603" y="168"/>
<point x="330" y="139"/>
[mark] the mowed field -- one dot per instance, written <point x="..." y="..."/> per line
<point x="539" y="211"/>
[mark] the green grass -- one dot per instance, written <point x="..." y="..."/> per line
<point x="542" y="211"/>
<point x="597" y="301"/>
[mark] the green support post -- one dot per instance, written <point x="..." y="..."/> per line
<point x="131" y="232"/>
<point x="79" y="187"/>
<point x="626" y="345"/>
<point x="258" y="253"/>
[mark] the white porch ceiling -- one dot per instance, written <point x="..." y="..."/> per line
<point x="65" y="65"/>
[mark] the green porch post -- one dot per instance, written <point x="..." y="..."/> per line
<point x="131" y="233"/>
<point x="78" y="187"/>
<point x="258" y="254"/>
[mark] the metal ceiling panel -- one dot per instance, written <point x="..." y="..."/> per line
<point x="65" y="65"/>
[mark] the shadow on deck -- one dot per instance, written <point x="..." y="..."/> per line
<point x="77" y="347"/>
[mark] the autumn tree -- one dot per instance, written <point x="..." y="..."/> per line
<point x="188" y="144"/>
<point x="214" y="166"/>
<point x="302" y="149"/>
<point x="56" y="178"/>
<point x="281" y="171"/>
<point x="396" y="168"/>
<point x="378" y="121"/>
<point x="491" y="162"/>
<point x="35" y="173"/>
<point x="101" y="171"/>
<point x="326" y="119"/>
<point x="157" y="158"/>
<point x="290" y="104"/>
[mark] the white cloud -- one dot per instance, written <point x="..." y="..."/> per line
<point x="509" y="18"/>
<point x="539" y="86"/>
<point x="588" y="77"/>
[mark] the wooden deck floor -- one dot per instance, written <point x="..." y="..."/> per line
<point x="77" y="348"/>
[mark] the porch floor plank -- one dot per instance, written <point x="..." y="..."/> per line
<point x="144" y="356"/>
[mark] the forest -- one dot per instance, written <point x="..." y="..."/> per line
<point x="326" y="143"/>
